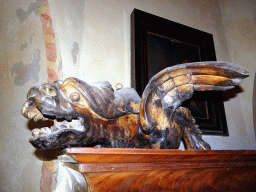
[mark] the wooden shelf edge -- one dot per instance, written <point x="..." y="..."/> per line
<point x="89" y="150"/>
<point x="165" y="170"/>
<point x="118" y="155"/>
<point x="109" y="167"/>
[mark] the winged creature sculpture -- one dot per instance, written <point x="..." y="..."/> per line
<point x="87" y="115"/>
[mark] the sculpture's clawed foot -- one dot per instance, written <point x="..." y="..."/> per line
<point x="192" y="136"/>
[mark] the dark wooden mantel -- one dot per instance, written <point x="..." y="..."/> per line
<point x="165" y="170"/>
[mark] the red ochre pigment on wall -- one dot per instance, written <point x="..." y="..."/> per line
<point x="51" y="56"/>
<point x="49" y="40"/>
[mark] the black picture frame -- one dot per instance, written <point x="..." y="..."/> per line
<point x="177" y="44"/>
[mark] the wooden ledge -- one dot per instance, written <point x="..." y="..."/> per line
<point x="165" y="170"/>
<point x="117" y="159"/>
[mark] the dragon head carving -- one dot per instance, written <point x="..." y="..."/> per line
<point x="69" y="105"/>
<point x="52" y="102"/>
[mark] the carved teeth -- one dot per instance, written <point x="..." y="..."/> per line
<point x="63" y="126"/>
<point x="74" y="124"/>
<point x="48" y="130"/>
<point x="69" y="118"/>
<point x="38" y="117"/>
<point x="44" y="130"/>
<point x="35" y="132"/>
<point x="54" y="128"/>
<point x="81" y="120"/>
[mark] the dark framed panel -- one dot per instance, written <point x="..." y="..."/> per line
<point x="158" y="43"/>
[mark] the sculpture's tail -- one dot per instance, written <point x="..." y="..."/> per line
<point x="173" y="85"/>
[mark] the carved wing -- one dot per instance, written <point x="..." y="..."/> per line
<point x="173" y="85"/>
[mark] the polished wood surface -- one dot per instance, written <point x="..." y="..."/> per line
<point x="165" y="170"/>
<point x="125" y="155"/>
<point x="168" y="180"/>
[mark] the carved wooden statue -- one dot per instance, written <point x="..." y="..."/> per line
<point x="95" y="115"/>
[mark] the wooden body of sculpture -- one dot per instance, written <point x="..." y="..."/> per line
<point x="90" y="115"/>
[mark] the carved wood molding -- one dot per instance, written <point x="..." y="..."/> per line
<point x="165" y="170"/>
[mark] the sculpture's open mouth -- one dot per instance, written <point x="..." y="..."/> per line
<point x="59" y="126"/>
<point x="60" y="133"/>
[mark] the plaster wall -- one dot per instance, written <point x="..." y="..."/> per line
<point x="22" y="65"/>
<point x="238" y="19"/>
<point x="94" y="38"/>
<point x="68" y="24"/>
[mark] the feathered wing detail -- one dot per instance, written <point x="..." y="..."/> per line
<point x="173" y="85"/>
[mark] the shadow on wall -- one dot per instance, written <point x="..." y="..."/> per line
<point x="24" y="73"/>
<point x="33" y="8"/>
<point x="47" y="155"/>
<point x="231" y="93"/>
<point x="254" y="104"/>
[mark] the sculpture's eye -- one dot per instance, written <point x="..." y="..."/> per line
<point x="50" y="91"/>
<point x="75" y="96"/>
<point x="33" y="92"/>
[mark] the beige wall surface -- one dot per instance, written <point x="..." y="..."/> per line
<point x="93" y="38"/>
<point x="238" y="19"/>
<point x="22" y="65"/>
